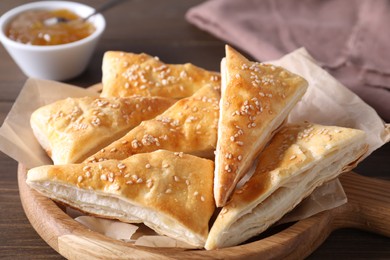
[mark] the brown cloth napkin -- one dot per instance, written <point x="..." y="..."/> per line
<point x="349" y="38"/>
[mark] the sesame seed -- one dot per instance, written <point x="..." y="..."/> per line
<point x="129" y="182"/>
<point x="121" y="166"/>
<point x="134" y="176"/>
<point x="103" y="177"/>
<point x="165" y="165"/>
<point x="196" y="193"/>
<point x="293" y="157"/>
<point x="168" y="191"/>
<point x="239" y="157"/>
<point x="147" y="166"/>
<point x="88" y="174"/>
<point x="80" y="178"/>
<point x="139" y="180"/>
<point x="113" y="150"/>
<point x="134" y="143"/>
<point x="202" y="198"/>
<point x="115" y="186"/>
<point x="177" y="179"/>
<point x="240" y="143"/>
<point x="124" y="142"/>
<point x="127" y="85"/>
<point x="86" y="168"/>
<point x="188" y="182"/>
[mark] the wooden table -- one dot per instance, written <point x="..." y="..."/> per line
<point x="158" y="28"/>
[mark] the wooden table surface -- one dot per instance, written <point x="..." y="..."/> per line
<point x="157" y="28"/>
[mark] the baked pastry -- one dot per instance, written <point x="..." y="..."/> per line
<point x="255" y="101"/>
<point x="72" y="129"/>
<point x="169" y="192"/>
<point x="299" y="158"/>
<point x="189" y="126"/>
<point x="126" y="74"/>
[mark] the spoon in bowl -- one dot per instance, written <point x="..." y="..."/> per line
<point x="103" y="7"/>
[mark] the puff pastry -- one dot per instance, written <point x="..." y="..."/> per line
<point x="299" y="158"/>
<point x="189" y="126"/>
<point x="255" y="100"/>
<point x="169" y="192"/>
<point x="126" y="74"/>
<point x="72" y="129"/>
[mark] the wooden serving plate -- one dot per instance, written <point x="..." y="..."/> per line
<point x="368" y="208"/>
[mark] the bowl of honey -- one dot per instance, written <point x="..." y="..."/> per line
<point x="50" y="39"/>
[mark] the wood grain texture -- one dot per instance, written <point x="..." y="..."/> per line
<point x="368" y="208"/>
<point x="159" y="28"/>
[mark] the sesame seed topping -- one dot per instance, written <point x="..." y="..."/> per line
<point x="129" y="182"/>
<point x="121" y="166"/>
<point x="80" y="178"/>
<point x="239" y="157"/>
<point x="86" y="168"/>
<point x="88" y="174"/>
<point x="196" y="193"/>
<point x="202" y="198"/>
<point x="135" y="143"/>
<point x="177" y="179"/>
<point x="227" y="168"/>
<point x="103" y="177"/>
<point x="147" y="166"/>
<point x="113" y="150"/>
<point x="188" y="182"/>
<point x="139" y="180"/>
<point x="168" y="191"/>
<point x="293" y="157"/>
<point x="115" y="186"/>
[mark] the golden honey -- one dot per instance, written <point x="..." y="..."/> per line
<point x="30" y="28"/>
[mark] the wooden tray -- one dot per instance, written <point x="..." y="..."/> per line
<point x="368" y="208"/>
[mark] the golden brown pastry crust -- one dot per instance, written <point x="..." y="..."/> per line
<point x="255" y="100"/>
<point x="126" y="74"/>
<point x="299" y="158"/>
<point x="189" y="126"/>
<point x="72" y="129"/>
<point x="169" y="192"/>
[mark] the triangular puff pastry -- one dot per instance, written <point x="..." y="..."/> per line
<point x="299" y="158"/>
<point x="72" y="129"/>
<point x="127" y="74"/>
<point x="189" y="126"/>
<point x="169" y="192"/>
<point x="255" y="100"/>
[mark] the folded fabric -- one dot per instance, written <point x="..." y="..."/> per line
<point x="344" y="36"/>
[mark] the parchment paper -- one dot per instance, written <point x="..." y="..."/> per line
<point x="326" y="102"/>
